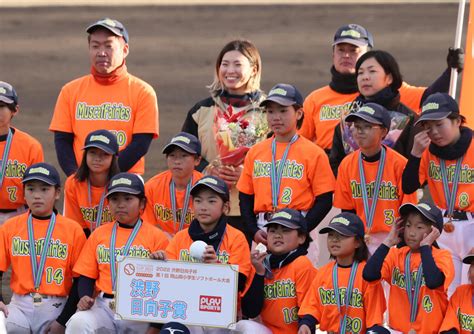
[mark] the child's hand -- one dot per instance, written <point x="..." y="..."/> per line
<point x="230" y="174"/>
<point x="85" y="303"/>
<point x="257" y="261"/>
<point x="393" y="237"/>
<point x="304" y="330"/>
<point x="4" y="309"/>
<point x="420" y="143"/>
<point x="428" y="239"/>
<point x="260" y="237"/>
<point x="158" y="255"/>
<point x="209" y="255"/>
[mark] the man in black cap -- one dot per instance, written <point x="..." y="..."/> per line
<point x="109" y="98"/>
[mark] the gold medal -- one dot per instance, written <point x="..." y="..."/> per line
<point x="367" y="238"/>
<point x="448" y="227"/>
<point x="37" y="299"/>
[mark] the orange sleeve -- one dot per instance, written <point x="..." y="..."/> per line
<point x="71" y="205"/>
<point x="172" y="250"/>
<point x="444" y="262"/>
<point x="240" y="253"/>
<point x="61" y="120"/>
<point x="343" y="194"/>
<point x="323" y="178"/>
<point x="161" y="242"/>
<point x="374" y="304"/>
<point x="245" y="183"/>
<point x="411" y="96"/>
<point x="451" y="320"/>
<point x="87" y="264"/>
<point x="149" y="215"/>
<point x="388" y="264"/>
<point x="4" y="254"/>
<point x="79" y="242"/>
<point x="311" y="303"/>
<point x="37" y="154"/>
<point x="307" y="128"/>
<point x="146" y="120"/>
<point x="304" y="279"/>
<point x="423" y="171"/>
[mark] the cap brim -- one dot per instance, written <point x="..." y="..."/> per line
<point x="435" y="116"/>
<point x="102" y="147"/>
<point x="355" y="116"/>
<point x="39" y="178"/>
<point x="6" y="100"/>
<point x="212" y="187"/>
<point x="285" y="223"/>
<point x="277" y="99"/>
<point x="123" y="190"/>
<point x="338" y="229"/>
<point x="168" y="147"/>
<point x="468" y="259"/>
<point x="350" y="41"/>
<point x="406" y="208"/>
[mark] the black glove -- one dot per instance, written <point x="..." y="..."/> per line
<point x="455" y="59"/>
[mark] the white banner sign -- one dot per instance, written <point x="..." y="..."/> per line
<point x="189" y="293"/>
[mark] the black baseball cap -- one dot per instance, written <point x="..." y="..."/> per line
<point x="126" y="183"/>
<point x="430" y="212"/>
<point x="289" y="218"/>
<point x="346" y="223"/>
<point x="373" y="113"/>
<point x="354" y="34"/>
<point x="7" y="93"/>
<point x="214" y="183"/>
<point x="174" y="328"/>
<point x="284" y="94"/>
<point x="469" y="258"/>
<point x="102" y="139"/>
<point x="114" y="26"/>
<point x="185" y="141"/>
<point x="42" y="172"/>
<point x="438" y="106"/>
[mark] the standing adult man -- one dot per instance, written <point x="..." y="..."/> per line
<point x="107" y="98"/>
<point x="324" y="107"/>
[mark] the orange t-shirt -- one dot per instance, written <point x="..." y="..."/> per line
<point x="324" y="108"/>
<point x="66" y="243"/>
<point x="365" y="309"/>
<point x="95" y="257"/>
<point x="306" y="174"/>
<point x="460" y="312"/>
<point x="158" y="207"/>
<point x="24" y="152"/>
<point x="126" y="107"/>
<point x="284" y="294"/>
<point x="77" y="206"/>
<point x="348" y="194"/>
<point x="430" y="171"/>
<point x="432" y="302"/>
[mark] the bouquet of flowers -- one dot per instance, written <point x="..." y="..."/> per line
<point x="237" y="132"/>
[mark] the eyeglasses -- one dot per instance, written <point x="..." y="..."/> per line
<point x="363" y="128"/>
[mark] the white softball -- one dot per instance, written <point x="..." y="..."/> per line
<point x="197" y="249"/>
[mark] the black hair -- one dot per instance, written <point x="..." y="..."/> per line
<point x="11" y="106"/>
<point x="308" y="239"/>
<point x="299" y="123"/>
<point x="456" y="116"/>
<point x="200" y="188"/>
<point x="361" y="253"/>
<point x="388" y="63"/>
<point x="82" y="172"/>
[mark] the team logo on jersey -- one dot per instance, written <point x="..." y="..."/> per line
<point x="106" y="111"/>
<point x="328" y="297"/>
<point x="466" y="175"/>
<point x="398" y="278"/>
<point x="15" y="169"/>
<point x="103" y="253"/>
<point x="90" y="214"/>
<point x="184" y="255"/>
<point x="291" y="170"/>
<point x="465" y="320"/>
<point x="387" y="190"/>
<point x="210" y="304"/>
<point x="56" y="249"/>
<point x="329" y="112"/>
<point x="166" y="214"/>
<point x="280" y="289"/>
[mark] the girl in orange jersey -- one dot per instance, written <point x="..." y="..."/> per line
<point x="459" y="318"/>
<point x="84" y="193"/>
<point x="418" y="272"/>
<point x="281" y="278"/>
<point x="339" y="300"/>
<point x="127" y="236"/>
<point x="443" y="157"/>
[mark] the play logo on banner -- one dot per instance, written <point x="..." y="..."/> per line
<point x="210" y="303"/>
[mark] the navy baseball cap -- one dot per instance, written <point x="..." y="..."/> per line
<point x="373" y="113"/>
<point x="469" y="258"/>
<point x="289" y="218"/>
<point x="102" y="139"/>
<point x="186" y="142"/>
<point x="174" y="328"/>
<point x="214" y="183"/>
<point x="284" y="94"/>
<point x="7" y="93"/>
<point x="354" y="34"/>
<point x="346" y="223"/>
<point x="126" y="183"/>
<point x="42" y="172"/>
<point x="430" y="212"/>
<point x="114" y="26"/>
<point x="438" y="106"/>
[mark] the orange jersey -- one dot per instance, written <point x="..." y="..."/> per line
<point x="158" y="209"/>
<point x="348" y="194"/>
<point x="233" y="249"/>
<point x="324" y="108"/>
<point x="66" y="243"/>
<point x="460" y="312"/>
<point x="284" y="294"/>
<point x="24" y="152"/>
<point x="77" y="206"/>
<point x="430" y="171"/>
<point x="126" y="107"/>
<point x="366" y="307"/>
<point x="432" y="302"/>
<point x="306" y="174"/>
<point x="95" y="256"/>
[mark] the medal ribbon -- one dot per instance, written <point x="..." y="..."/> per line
<point x="450" y="197"/>
<point x="277" y="173"/>
<point x="347" y="296"/>
<point x="6" y="152"/>
<point x="369" y="209"/>
<point x="100" y="209"/>
<point x="126" y="249"/>
<point x="412" y="292"/>
<point x="184" y="209"/>
<point x="38" y="268"/>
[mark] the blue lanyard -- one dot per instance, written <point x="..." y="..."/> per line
<point x="185" y="207"/>
<point x="38" y="268"/>
<point x="126" y="249"/>
<point x="100" y="208"/>
<point x="6" y="152"/>
<point x="412" y="292"/>
<point x="347" y="296"/>
<point x="276" y="173"/>
<point x="450" y="197"/>
<point x="369" y="209"/>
